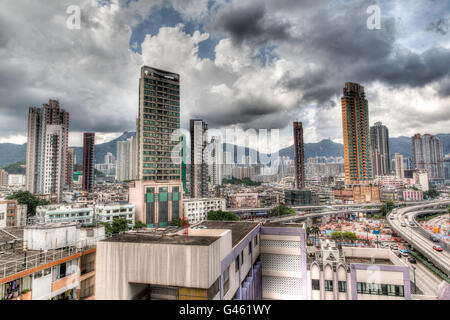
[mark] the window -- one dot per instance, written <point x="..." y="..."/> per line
<point x="315" y="284"/>
<point x="242" y="257"/>
<point x="250" y="249"/>
<point x="47" y="271"/>
<point x="236" y="264"/>
<point x="342" y="286"/>
<point x="38" y="275"/>
<point x="62" y="270"/>
<point x="256" y="240"/>
<point x="381" y="289"/>
<point x="226" y="280"/>
<point x="329" y="285"/>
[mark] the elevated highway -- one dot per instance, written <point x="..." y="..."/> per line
<point x="418" y="237"/>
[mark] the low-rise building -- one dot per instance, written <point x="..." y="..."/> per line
<point x="108" y="212"/>
<point x="298" y="197"/>
<point x="244" y="200"/>
<point x="214" y="260"/>
<point x="86" y="214"/>
<point x="12" y="214"/>
<point x="50" y="262"/>
<point x="196" y="210"/>
<point x="79" y="213"/>
<point x="412" y="195"/>
<point x="357" y="194"/>
<point x="357" y="274"/>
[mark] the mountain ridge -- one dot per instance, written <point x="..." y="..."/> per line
<point x="14" y="153"/>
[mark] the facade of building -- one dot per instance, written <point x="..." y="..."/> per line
<point x="158" y="192"/>
<point x="357" y="194"/>
<point x="17" y="180"/>
<point x="298" y="197"/>
<point x="412" y="195"/>
<point x="421" y="179"/>
<point x="12" y="214"/>
<point x="88" y="162"/>
<point x="244" y="200"/>
<point x="196" y="210"/>
<point x="79" y="213"/>
<point x="199" y="161"/>
<point x="399" y="166"/>
<point x="355" y="123"/>
<point x="106" y="213"/>
<point x="299" y="156"/>
<point x="379" y="140"/>
<point x="429" y="155"/>
<point x="47" y="144"/>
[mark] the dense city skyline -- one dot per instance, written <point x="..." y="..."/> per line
<point x="253" y="75"/>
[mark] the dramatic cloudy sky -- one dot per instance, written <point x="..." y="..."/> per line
<point x="243" y="64"/>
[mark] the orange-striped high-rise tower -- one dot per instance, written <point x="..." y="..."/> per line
<point x="355" y="124"/>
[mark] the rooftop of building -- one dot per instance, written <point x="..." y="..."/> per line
<point x="239" y="229"/>
<point x="350" y="260"/>
<point x="176" y="239"/>
<point x="283" y="225"/>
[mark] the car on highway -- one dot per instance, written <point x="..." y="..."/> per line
<point x="403" y="224"/>
<point x="392" y="217"/>
<point x="398" y="254"/>
<point x="412" y="260"/>
<point x="438" y="248"/>
<point x="412" y="224"/>
<point x="434" y="238"/>
<point x="394" y="247"/>
<point x="404" y="253"/>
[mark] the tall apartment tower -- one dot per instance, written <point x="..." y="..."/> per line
<point x="399" y="166"/>
<point x="355" y="124"/>
<point x="158" y="191"/>
<point x="70" y="163"/>
<point x="379" y="140"/>
<point x="199" y="161"/>
<point x="47" y="147"/>
<point x="88" y="161"/>
<point x="299" y="151"/>
<point x="126" y="166"/>
<point x="216" y="159"/>
<point x="429" y="155"/>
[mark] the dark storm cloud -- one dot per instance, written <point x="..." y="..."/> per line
<point x="241" y="111"/>
<point x="251" y="24"/>
<point x="440" y="26"/>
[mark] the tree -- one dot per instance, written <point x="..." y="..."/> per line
<point x="387" y="207"/>
<point x="25" y="197"/>
<point x="117" y="226"/>
<point x="281" y="210"/>
<point x="177" y="222"/>
<point x="432" y="193"/>
<point x="139" y="225"/>
<point x="350" y="236"/>
<point x="222" y="216"/>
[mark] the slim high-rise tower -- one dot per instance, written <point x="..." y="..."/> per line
<point x="88" y="161"/>
<point x="299" y="151"/>
<point x="199" y="164"/>
<point x="429" y="155"/>
<point x="157" y="192"/>
<point x="399" y="166"/>
<point x="355" y="124"/>
<point x="379" y="140"/>
<point x="47" y="145"/>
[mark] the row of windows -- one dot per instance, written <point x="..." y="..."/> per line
<point x="160" y="106"/>
<point x="381" y="289"/>
<point x="342" y="285"/>
<point x="161" y="84"/>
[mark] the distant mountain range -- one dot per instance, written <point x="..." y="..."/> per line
<point x="13" y="153"/>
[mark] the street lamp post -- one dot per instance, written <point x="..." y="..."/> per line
<point x="414" y="272"/>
